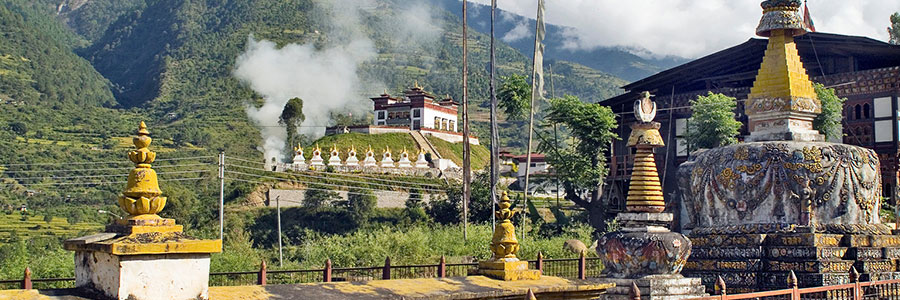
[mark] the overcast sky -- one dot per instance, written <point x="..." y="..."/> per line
<point x="692" y="28"/>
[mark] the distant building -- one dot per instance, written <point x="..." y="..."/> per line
<point x="542" y="181"/>
<point x="417" y="110"/>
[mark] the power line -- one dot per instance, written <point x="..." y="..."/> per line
<point x="98" y="162"/>
<point x="100" y="182"/>
<point x="318" y="183"/>
<point x="335" y="179"/>
<point x="338" y="179"/>
<point x="104" y="169"/>
<point x="307" y="188"/>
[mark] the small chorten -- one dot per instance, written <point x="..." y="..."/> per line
<point x="421" y="162"/>
<point x="143" y="256"/>
<point x="335" y="159"/>
<point x="504" y="264"/>
<point x="386" y="160"/>
<point x="782" y="103"/>
<point x="299" y="159"/>
<point x="645" y="192"/>
<point x="351" y="157"/>
<point x="404" y="161"/>
<point x="317" y="160"/>
<point x="370" y="161"/>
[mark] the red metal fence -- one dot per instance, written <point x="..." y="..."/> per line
<point x="581" y="267"/>
<point x="884" y="289"/>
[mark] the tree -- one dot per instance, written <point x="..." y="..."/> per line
<point x="829" y="121"/>
<point x="515" y="97"/>
<point x="894" y="30"/>
<point x="318" y="196"/>
<point x="713" y="123"/>
<point x="18" y="128"/>
<point x="291" y="117"/>
<point x="415" y="209"/>
<point x="580" y="161"/>
<point x="361" y="204"/>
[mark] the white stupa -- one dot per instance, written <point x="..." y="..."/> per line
<point x="421" y="162"/>
<point x="299" y="159"/>
<point x="351" y="157"/>
<point x="386" y="160"/>
<point x="335" y="159"/>
<point x="316" y="160"/>
<point x="404" y="160"/>
<point x="370" y="159"/>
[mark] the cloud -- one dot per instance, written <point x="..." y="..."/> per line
<point x="519" y="32"/>
<point x="691" y="28"/>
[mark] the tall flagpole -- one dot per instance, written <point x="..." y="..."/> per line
<point x="467" y="167"/>
<point x="537" y="88"/>
<point x="495" y="137"/>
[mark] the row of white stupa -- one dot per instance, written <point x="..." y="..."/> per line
<point x="335" y="160"/>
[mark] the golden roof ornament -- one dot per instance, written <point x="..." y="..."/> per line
<point x="141" y="198"/>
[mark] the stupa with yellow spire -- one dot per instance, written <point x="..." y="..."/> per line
<point x="504" y="264"/>
<point x="143" y="256"/>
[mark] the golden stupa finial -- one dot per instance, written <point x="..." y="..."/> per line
<point x="504" y="244"/>
<point x="141" y="197"/>
<point x="353" y="148"/>
<point x="317" y="148"/>
<point x="334" y="148"/>
<point x="298" y="148"/>
<point x="417" y="85"/>
<point x="370" y="148"/>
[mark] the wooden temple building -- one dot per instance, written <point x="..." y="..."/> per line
<point x="863" y="70"/>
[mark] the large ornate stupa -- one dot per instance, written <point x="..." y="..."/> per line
<point x="786" y="200"/>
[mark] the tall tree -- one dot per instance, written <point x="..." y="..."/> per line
<point x="712" y="124"/>
<point x="580" y="161"/>
<point x="829" y="121"/>
<point x="291" y="117"/>
<point x="894" y="30"/>
<point x="515" y="97"/>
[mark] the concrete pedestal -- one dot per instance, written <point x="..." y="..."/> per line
<point x="656" y="287"/>
<point x="149" y="276"/>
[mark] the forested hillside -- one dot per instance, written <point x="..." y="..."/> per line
<point x="83" y="73"/>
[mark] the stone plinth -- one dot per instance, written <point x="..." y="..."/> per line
<point x="140" y="262"/>
<point x="781" y="183"/>
<point x="760" y="257"/>
<point x="662" y="287"/>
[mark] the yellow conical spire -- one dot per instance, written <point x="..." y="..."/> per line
<point x="141" y="197"/>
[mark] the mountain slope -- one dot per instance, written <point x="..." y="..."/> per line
<point x="37" y="64"/>
<point x="615" y="61"/>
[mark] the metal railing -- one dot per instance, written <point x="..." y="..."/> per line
<point x="578" y="268"/>
<point x="856" y="290"/>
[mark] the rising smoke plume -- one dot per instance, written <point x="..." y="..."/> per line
<point x="329" y="78"/>
<point x="326" y="79"/>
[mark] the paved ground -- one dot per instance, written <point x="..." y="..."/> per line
<point x="471" y="287"/>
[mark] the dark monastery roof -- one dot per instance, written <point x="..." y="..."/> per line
<point x="821" y="53"/>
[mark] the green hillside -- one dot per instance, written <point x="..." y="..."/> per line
<point x="397" y="142"/>
<point x="36" y="226"/>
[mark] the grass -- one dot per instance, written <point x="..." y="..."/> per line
<point x="481" y="157"/>
<point x="35" y="226"/>
<point x="379" y="142"/>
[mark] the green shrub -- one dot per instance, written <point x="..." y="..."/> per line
<point x="713" y="122"/>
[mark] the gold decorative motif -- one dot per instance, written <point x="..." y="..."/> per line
<point x="141" y="198"/>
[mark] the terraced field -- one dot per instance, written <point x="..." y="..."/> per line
<point x="35" y="226"/>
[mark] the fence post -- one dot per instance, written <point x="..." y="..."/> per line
<point x="540" y="262"/>
<point x="326" y="275"/>
<point x="792" y="284"/>
<point x="261" y="276"/>
<point x="720" y="288"/>
<point x="386" y="272"/>
<point x="635" y="292"/>
<point x="26" y="280"/>
<point x="854" y="278"/>
<point x="442" y="268"/>
<point x="582" y="267"/>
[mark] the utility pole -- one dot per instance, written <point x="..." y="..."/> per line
<point x="495" y="137"/>
<point x="222" y="195"/>
<point x="467" y="168"/>
<point x="278" y="208"/>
